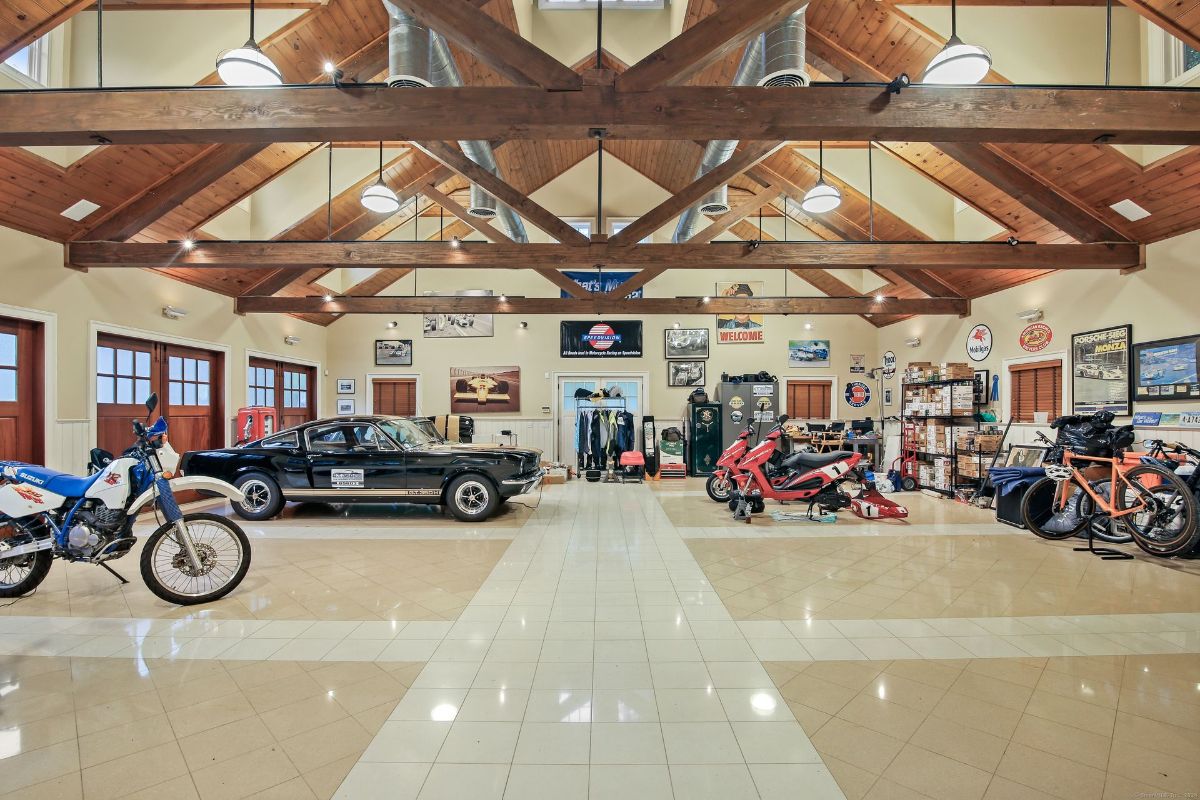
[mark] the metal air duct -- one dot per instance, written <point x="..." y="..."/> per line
<point x="770" y="59"/>
<point x="419" y="57"/>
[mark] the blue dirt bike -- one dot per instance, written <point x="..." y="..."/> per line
<point x="44" y="514"/>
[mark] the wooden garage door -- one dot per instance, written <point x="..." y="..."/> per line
<point x="286" y="387"/>
<point x="189" y="383"/>
<point x="22" y="399"/>
<point x="395" y="397"/>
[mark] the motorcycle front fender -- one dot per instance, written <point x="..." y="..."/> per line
<point x="191" y="483"/>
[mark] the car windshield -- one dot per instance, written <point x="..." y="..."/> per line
<point x="408" y="433"/>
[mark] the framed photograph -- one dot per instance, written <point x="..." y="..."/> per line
<point x="981" y="389"/>
<point x="808" y="353"/>
<point x="477" y="390"/>
<point x="345" y="385"/>
<point x="740" y="328"/>
<point x="1025" y="455"/>
<point x="345" y="406"/>
<point x="887" y="397"/>
<point x="685" y="373"/>
<point x="688" y="343"/>
<point x="1166" y="369"/>
<point x="393" y="352"/>
<point x="1100" y="373"/>
<point x="453" y="326"/>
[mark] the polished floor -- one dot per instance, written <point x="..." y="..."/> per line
<point x="615" y="644"/>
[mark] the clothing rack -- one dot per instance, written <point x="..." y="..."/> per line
<point x="599" y="460"/>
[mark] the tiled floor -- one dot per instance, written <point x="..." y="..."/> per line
<point x="1112" y="727"/>
<point x="604" y="655"/>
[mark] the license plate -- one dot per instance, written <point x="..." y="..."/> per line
<point x="347" y="478"/>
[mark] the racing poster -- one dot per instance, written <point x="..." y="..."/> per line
<point x="476" y="390"/>
<point x="1167" y="369"/>
<point x="601" y="339"/>
<point x="1100" y="370"/>
<point x="740" y="328"/>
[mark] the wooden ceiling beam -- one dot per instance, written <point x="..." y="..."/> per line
<point x="447" y="202"/>
<point x="747" y="156"/>
<point x="596" y="305"/>
<point x="300" y="255"/>
<point x="563" y="282"/>
<point x="454" y="158"/>
<point x="995" y="113"/>
<point x="763" y="197"/>
<point x="706" y="43"/>
<point x="373" y="285"/>
<point x="504" y="50"/>
<point x="635" y="282"/>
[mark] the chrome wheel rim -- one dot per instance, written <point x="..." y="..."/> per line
<point x="16" y="569"/>
<point x="258" y="495"/>
<point x="472" y="497"/>
<point x="722" y="487"/>
<point x="220" y="553"/>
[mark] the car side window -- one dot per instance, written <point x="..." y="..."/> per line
<point x="283" y="440"/>
<point x="368" y="437"/>
<point x="328" y="439"/>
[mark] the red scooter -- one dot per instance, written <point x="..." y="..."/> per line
<point x="815" y="477"/>
<point x="720" y="485"/>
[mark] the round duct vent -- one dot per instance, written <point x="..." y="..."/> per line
<point x="790" y="79"/>
<point x="482" y="212"/>
<point x="714" y="208"/>
<point x="407" y="82"/>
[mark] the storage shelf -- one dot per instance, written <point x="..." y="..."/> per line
<point x="947" y="382"/>
<point x="940" y="416"/>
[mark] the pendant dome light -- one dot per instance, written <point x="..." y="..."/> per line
<point x="822" y="197"/>
<point x="379" y="197"/>
<point x="248" y="65"/>
<point x="958" y="63"/>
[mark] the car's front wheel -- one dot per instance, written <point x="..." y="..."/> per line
<point x="472" y="498"/>
<point x="263" y="497"/>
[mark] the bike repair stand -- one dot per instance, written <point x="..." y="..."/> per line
<point x="1105" y="553"/>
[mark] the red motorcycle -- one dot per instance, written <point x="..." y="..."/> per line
<point x="815" y="477"/>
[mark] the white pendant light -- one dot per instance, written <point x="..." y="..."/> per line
<point x="379" y="197"/>
<point x="248" y="65"/>
<point x="821" y="198"/>
<point x="958" y="63"/>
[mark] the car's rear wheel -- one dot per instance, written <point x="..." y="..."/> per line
<point x="472" y="498"/>
<point x="263" y="497"/>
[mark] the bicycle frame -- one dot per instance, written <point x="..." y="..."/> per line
<point x="1116" y="474"/>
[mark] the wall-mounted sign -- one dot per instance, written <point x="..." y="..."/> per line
<point x="858" y="394"/>
<point x="1036" y="337"/>
<point x="600" y="282"/>
<point x="889" y="364"/>
<point x="858" y="363"/>
<point x="740" y="328"/>
<point x="1147" y="419"/>
<point x="979" y="343"/>
<point x="589" y="339"/>
<point x="1100" y="370"/>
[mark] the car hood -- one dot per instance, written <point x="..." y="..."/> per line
<point x="482" y="448"/>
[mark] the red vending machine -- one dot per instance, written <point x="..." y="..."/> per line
<point x="254" y="423"/>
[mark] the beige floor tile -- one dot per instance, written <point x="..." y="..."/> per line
<point x="134" y="772"/>
<point x="220" y="744"/>
<point x="1049" y="773"/>
<point x="858" y="746"/>
<point x="882" y="716"/>
<point x="1160" y="736"/>
<point x="133" y="737"/>
<point x="244" y="775"/>
<point x="324" y="781"/>
<point x="39" y="766"/>
<point x="977" y="714"/>
<point x="180" y="788"/>
<point x="854" y="781"/>
<point x="1156" y="769"/>
<point x="961" y="743"/>
<point x="992" y="690"/>
<point x="1075" y="713"/>
<point x="937" y="776"/>
<point x="885" y="789"/>
<point x="320" y="746"/>
<point x="816" y="693"/>
<point x="1062" y="740"/>
<point x="295" y="789"/>
<point x="1004" y="789"/>
<point x="303" y="715"/>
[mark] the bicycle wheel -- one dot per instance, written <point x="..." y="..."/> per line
<point x="1167" y="526"/>
<point x="1106" y="528"/>
<point x="1041" y="515"/>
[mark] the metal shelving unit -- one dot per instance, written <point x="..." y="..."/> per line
<point x="908" y="420"/>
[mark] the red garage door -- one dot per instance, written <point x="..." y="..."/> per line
<point x="286" y="387"/>
<point x="22" y="394"/>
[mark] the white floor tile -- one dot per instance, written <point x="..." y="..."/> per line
<point x="749" y="705"/>
<point x="494" y="705"/>
<point x="738" y="675"/>
<point x="447" y="675"/>
<point x="713" y="782"/>
<point x="557" y="705"/>
<point x="624" y="705"/>
<point x="368" y="781"/>
<point x="701" y="743"/>
<point x="884" y="649"/>
<point x="547" y="782"/>
<point x="566" y="676"/>
<point x="436" y="705"/>
<point x="553" y="743"/>
<point x="627" y="743"/>
<point x="775" y="743"/>
<point x="622" y="675"/>
<point x="407" y="741"/>
<point x="779" y="781"/>
<point x="689" y="705"/>
<point x="832" y="650"/>
<point x="680" y="675"/>
<point x="480" y="743"/>
<point x="630" y="782"/>
<point x="462" y="781"/>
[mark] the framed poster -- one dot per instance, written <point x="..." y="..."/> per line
<point x="685" y="373"/>
<point x="452" y="326"/>
<point x="600" y="339"/>
<point x="345" y="406"/>
<point x="1166" y="369"/>
<point x="599" y="282"/>
<point x="690" y="343"/>
<point x="1100" y="370"/>
<point x="808" y="353"/>
<point x="858" y="363"/>
<point x="980" y="389"/>
<point x="345" y="385"/>
<point x="887" y="397"/>
<point x="1025" y="455"/>
<point x="393" y="352"/>
<point x="740" y="328"/>
<point x="475" y="390"/>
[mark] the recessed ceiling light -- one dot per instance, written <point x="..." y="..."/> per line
<point x="80" y="210"/>
<point x="1130" y="210"/>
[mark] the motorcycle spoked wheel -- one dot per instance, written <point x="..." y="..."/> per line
<point x="20" y="575"/>
<point x="224" y="553"/>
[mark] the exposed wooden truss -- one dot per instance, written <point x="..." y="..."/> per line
<point x="598" y="305"/>
<point x="962" y="114"/>
<point x="768" y="255"/>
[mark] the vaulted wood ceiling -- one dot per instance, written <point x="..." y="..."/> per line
<point x="1039" y="193"/>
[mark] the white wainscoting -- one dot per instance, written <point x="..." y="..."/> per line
<point x="68" y="448"/>
<point x="536" y="433"/>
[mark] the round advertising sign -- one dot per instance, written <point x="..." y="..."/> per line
<point x="1036" y="337"/>
<point x="736" y="402"/>
<point x="601" y="336"/>
<point x="858" y="394"/>
<point x="889" y="364"/>
<point x="735" y="416"/>
<point x="979" y="343"/>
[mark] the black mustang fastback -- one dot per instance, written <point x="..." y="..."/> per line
<point x="369" y="460"/>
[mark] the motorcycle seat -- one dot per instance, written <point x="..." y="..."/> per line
<point x="814" y="460"/>
<point x="52" y="480"/>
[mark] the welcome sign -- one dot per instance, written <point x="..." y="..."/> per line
<point x="601" y="338"/>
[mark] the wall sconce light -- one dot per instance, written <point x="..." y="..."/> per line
<point x="1032" y="315"/>
<point x="523" y="325"/>
<point x="913" y="342"/>
<point x="171" y="312"/>
<point x="291" y="341"/>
